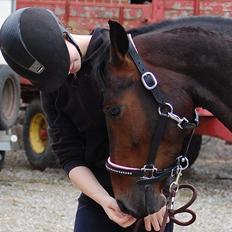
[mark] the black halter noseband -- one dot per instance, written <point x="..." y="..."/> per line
<point x="149" y="173"/>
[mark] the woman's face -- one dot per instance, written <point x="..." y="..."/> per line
<point x="75" y="59"/>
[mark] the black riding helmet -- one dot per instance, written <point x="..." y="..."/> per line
<point x="32" y="43"/>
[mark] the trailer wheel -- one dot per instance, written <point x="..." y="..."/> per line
<point x="194" y="149"/>
<point x="10" y="97"/>
<point x="35" y="137"/>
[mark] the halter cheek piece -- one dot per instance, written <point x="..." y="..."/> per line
<point x="149" y="173"/>
<point x="70" y="39"/>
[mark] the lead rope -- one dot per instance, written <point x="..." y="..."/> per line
<point x="164" y="221"/>
<point x="170" y="212"/>
<point x="174" y="188"/>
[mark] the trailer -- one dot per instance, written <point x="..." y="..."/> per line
<point x="9" y="95"/>
<point x="9" y="110"/>
<point x="82" y="17"/>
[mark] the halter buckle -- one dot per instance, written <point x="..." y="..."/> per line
<point x="181" y="122"/>
<point x="36" y="67"/>
<point x="148" y="170"/>
<point x="149" y="80"/>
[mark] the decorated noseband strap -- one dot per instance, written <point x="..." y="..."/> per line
<point x="139" y="172"/>
<point x="148" y="175"/>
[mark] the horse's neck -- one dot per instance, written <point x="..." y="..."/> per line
<point x="214" y="103"/>
<point x="204" y="57"/>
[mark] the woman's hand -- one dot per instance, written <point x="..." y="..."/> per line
<point x="155" y="220"/>
<point x="115" y="214"/>
<point x="92" y="188"/>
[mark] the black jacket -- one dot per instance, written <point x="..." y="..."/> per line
<point x="76" y="121"/>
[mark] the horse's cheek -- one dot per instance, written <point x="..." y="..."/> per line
<point x="122" y="185"/>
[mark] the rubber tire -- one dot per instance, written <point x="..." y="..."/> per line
<point x="194" y="149"/>
<point x="10" y="93"/>
<point x="2" y="158"/>
<point x="46" y="158"/>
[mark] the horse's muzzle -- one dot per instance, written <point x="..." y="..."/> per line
<point x="142" y="202"/>
<point x="153" y="202"/>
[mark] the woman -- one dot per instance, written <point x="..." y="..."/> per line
<point x="37" y="47"/>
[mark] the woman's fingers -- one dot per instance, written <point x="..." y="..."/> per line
<point x="115" y="214"/>
<point x="129" y="220"/>
<point x="155" y="220"/>
<point x="147" y="223"/>
<point x="151" y="221"/>
<point x="120" y="218"/>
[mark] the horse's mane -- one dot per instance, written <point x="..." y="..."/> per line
<point x="199" y="47"/>
<point x="98" y="66"/>
<point x="216" y="24"/>
<point x="212" y="22"/>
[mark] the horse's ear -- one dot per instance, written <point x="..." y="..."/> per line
<point x="119" y="41"/>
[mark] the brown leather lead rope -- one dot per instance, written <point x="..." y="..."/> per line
<point x="170" y="212"/>
<point x="164" y="221"/>
<point x="184" y="209"/>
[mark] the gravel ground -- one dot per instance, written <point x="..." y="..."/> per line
<point x="37" y="201"/>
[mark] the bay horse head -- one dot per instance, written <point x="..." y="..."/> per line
<point x="148" y="118"/>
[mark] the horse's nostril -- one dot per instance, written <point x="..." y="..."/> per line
<point x="127" y="210"/>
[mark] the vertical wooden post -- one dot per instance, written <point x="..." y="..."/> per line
<point x="67" y="13"/>
<point x="121" y="15"/>
<point x="157" y="10"/>
<point x="196" y="7"/>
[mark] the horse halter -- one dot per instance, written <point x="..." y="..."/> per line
<point x="149" y="173"/>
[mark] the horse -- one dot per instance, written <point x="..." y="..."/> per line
<point x="158" y="77"/>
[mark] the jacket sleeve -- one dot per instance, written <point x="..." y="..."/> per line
<point x="67" y="142"/>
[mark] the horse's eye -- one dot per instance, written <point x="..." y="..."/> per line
<point x="113" y="111"/>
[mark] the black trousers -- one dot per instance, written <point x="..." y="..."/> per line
<point x="92" y="218"/>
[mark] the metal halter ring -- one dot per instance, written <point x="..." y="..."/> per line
<point x="174" y="186"/>
<point x="166" y="114"/>
<point x="183" y="160"/>
<point x="146" y="84"/>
